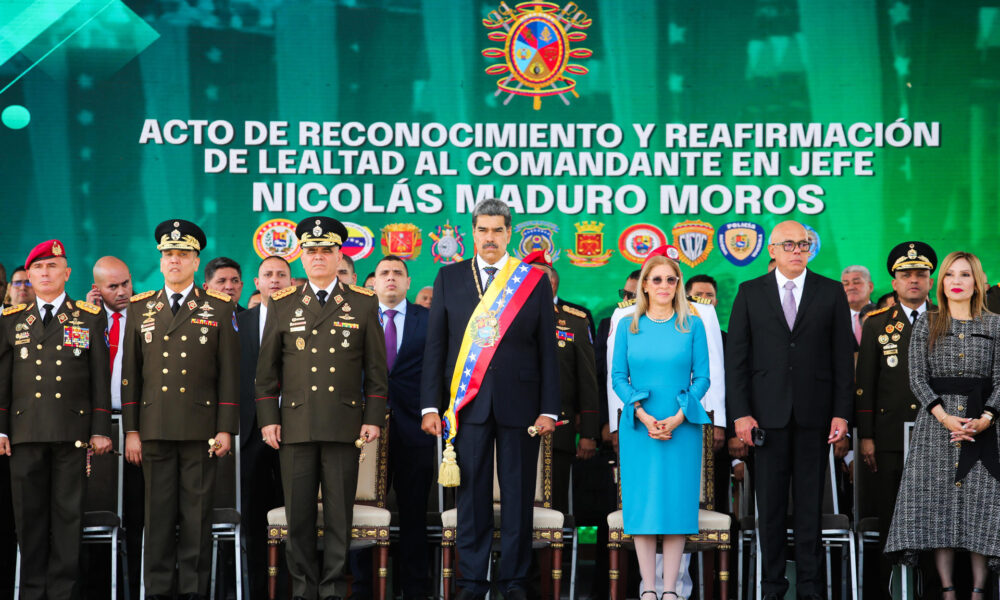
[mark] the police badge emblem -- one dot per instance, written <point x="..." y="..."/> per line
<point x="694" y="240"/>
<point x="740" y="242"/>
<point x="447" y="247"/>
<point x="589" y="242"/>
<point x="536" y="235"/>
<point x="536" y="52"/>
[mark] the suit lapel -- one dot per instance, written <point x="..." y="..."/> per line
<point x="38" y="331"/>
<point x="410" y="325"/>
<point x="253" y="330"/>
<point x="470" y="281"/>
<point x="774" y="299"/>
<point x="809" y="293"/>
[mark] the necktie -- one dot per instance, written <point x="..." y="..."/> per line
<point x="788" y="304"/>
<point x="913" y="316"/>
<point x="390" y="337"/>
<point x="321" y="296"/>
<point x="113" y="337"/>
<point x="857" y="327"/>
<point x="48" y="314"/>
<point x="176" y="305"/>
<point x="491" y="273"/>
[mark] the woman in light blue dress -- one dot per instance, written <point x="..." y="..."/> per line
<point x="660" y="371"/>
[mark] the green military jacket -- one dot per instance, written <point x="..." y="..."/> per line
<point x="884" y="400"/>
<point x="577" y="378"/>
<point x="181" y="373"/>
<point x="327" y="364"/>
<point x="55" y="380"/>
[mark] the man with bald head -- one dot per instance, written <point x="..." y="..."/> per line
<point x="112" y="289"/>
<point x="789" y="374"/>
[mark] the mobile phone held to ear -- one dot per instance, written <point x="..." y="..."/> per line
<point x="757" y="436"/>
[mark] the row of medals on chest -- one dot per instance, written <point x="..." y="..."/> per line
<point x="889" y="348"/>
<point x="152" y="308"/>
<point x="23" y="333"/>
<point x="298" y="324"/>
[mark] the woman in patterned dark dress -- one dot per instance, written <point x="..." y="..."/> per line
<point x="950" y="495"/>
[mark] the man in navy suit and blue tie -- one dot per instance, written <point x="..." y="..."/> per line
<point x="411" y="452"/>
<point x="493" y="314"/>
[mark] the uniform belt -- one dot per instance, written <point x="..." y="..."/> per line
<point x="976" y="390"/>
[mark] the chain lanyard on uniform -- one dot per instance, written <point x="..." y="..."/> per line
<point x="475" y="275"/>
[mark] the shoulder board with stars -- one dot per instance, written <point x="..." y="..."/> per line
<point x="14" y="309"/>
<point x="576" y="312"/>
<point x="285" y="292"/>
<point x="142" y="296"/>
<point x="220" y="295"/>
<point x="362" y="290"/>
<point x="87" y="306"/>
<point x="693" y="307"/>
<point x="878" y="311"/>
<point x="626" y="303"/>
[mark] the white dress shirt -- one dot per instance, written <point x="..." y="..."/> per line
<point x="920" y="311"/>
<point x="116" y="367"/>
<point x="328" y="289"/>
<point x="796" y="291"/>
<point x="55" y="304"/>
<point x="399" y="319"/>
<point x="170" y="293"/>
<point x="260" y="322"/>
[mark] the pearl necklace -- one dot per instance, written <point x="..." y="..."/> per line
<point x="648" y="316"/>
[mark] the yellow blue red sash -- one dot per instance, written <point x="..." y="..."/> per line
<point x="489" y="322"/>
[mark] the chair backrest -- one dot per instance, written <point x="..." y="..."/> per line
<point x="104" y="491"/>
<point x="373" y="470"/>
<point x="543" y="475"/>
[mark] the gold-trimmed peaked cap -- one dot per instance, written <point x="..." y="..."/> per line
<point x="320" y="231"/>
<point x="911" y="255"/>
<point x="178" y="234"/>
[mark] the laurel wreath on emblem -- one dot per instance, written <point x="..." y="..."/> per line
<point x="536" y="49"/>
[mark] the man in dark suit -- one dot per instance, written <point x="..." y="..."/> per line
<point x="789" y="372"/>
<point x="993" y="299"/>
<point x="411" y="452"/>
<point x="519" y="388"/>
<point x="884" y="398"/>
<point x="54" y="391"/>
<point x="261" y="473"/>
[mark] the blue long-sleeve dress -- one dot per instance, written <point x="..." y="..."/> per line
<point x="665" y="370"/>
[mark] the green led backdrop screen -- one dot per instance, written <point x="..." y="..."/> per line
<point x="609" y="127"/>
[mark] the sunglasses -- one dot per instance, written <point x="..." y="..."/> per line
<point x="789" y="246"/>
<point x="670" y="280"/>
<point x="626" y="295"/>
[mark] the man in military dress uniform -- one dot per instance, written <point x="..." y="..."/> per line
<point x="54" y="391"/>
<point x="884" y="399"/>
<point x="993" y="299"/>
<point x="321" y="383"/>
<point x="180" y="389"/>
<point x="577" y="390"/>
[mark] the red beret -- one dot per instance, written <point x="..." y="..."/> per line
<point x="669" y="251"/>
<point x="49" y="249"/>
<point x="538" y="257"/>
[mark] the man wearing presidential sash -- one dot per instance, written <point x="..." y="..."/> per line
<point x="491" y="365"/>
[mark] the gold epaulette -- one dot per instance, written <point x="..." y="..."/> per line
<point x="87" y="306"/>
<point x="699" y="300"/>
<point x="576" y="312"/>
<point x="363" y="290"/>
<point x="220" y="295"/>
<point x="285" y="292"/>
<point x="626" y="303"/>
<point x="693" y="308"/>
<point x="14" y="309"/>
<point x="879" y="311"/>
<point x="142" y="296"/>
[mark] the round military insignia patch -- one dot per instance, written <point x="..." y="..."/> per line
<point x="740" y="242"/>
<point x="360" y="241"/>
<point x="889" y="328"/>
<point x="892" y="361"/>
<point x="814" y="241"/>
<point x="447" y="247"/>
<point x="277" y="238"/>
<point x="537" y="235"/>
<point x="895" y="337"/>
<point x="883" y="339"/>
<point x="636" y="242"/>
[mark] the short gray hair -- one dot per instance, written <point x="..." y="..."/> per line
<point x="863" y="270"/>
<point x="491" y="207"/>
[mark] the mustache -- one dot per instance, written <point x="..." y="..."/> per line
<point x="490" y="245"/>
